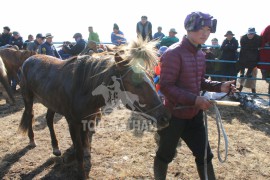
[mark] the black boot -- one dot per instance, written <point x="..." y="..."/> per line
<point x="210" y="172"/>
<point x="160" y="169"/>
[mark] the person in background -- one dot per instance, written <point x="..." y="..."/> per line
<point x="265" y="54"/>
<point x="74" y="50"/>
<point x="5" y="37"/>
<point x="249" y="83"/>
<point x="144" y="29"/>
<point x="181" y="81"/>
<point x="249" y="52"/>
<point x="161" y="51"/>
<point x="16" y="39"/>
<point x="169" y="40"/>
<point x="158" y="35"/>
<point x="209" y="65"/>
<point x="33" y="46"/>
<point x="117" y="36"/>
<point x="93" y="36"/>
<point x="48" y="48"/>
<point x="216" y="51"/>
<point x="229" y="52"/>
<point x="29" y="39"/>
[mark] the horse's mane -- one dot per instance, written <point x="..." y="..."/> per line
<point x="141" y="52"/>
<point x="93" y="70"/>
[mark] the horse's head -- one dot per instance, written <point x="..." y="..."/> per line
<point x="22" y="55"/>
<point x="133" y="66"/>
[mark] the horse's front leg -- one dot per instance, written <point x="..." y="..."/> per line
<point x="75" y="133"/>
<point x="49" y="118"/>
<point x="87" y="134"/>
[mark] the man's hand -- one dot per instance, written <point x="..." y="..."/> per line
<point x="228" y="86"/>
<point x="202" y="103"/>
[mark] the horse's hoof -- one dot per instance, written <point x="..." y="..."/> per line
<point x="56" y="152"/>
<point x="32" y="144"/>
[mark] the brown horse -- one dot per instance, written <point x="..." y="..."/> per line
<point x="4" y="86"/>
<point x="13" y="60"/>
<point x="66" y="87"/>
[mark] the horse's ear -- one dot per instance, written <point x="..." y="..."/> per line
<point x="120" y="62"/>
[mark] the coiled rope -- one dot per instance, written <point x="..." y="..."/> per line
<point x="220" y="129"/>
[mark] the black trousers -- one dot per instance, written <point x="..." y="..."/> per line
<point x="192" y="131"/>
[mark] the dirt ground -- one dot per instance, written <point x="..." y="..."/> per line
<point x="120" y="152"/>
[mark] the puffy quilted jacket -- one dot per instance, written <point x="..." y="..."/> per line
<point x="182" y="78"/>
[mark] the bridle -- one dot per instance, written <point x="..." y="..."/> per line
<point x="122" y="84"/>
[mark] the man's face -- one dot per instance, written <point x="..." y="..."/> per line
<point x="143" y="20"/>
<point x="159" y="29"/>
<point x="5" y="31"/>
<point x="250" y="36"/>
<point x="90" y="29"/>
<point x="115" y="31"/>
<point x="214" y="43"/>
<point x="49" y="40"/>
<point x="171" y="34"/>
<point x="40" y="40"/>
<point x="16" y="36"/>
<point x="229" y="37"/>
<point x="200" y="36"/>
<point x="30" y="38"/>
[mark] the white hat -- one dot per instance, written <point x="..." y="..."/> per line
<point x="48" y="35"/>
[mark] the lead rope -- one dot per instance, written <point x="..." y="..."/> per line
<point x="220" y="129"/>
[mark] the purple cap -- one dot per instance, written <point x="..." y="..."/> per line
<point x="196" y="20"/>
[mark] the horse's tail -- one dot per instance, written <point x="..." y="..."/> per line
<point x="28" y="97"/>
<point x="4" y="81"/>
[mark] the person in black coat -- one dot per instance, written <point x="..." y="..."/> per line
<point x="78" y="47"/>
<point x="229" y="52"/>
<point x="5" y="37"/>
<point x="249" y="53"/>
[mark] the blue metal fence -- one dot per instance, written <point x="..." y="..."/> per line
<point x="237" y="77"/>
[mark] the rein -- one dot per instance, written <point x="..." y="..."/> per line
<point x="220" y="129"/>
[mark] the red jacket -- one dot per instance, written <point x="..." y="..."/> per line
<point x="182" y="78"/>
<point x="265" y="53"/>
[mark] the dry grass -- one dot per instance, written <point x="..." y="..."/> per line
<point x="127" y="154"/>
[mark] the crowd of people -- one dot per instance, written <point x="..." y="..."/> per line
<point x="247" y="57"/>
<point x="251" y="52"/>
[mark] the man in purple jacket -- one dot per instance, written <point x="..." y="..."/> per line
<point x="181" y="80"/>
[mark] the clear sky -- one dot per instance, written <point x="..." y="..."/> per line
<point x="64" y="18"/>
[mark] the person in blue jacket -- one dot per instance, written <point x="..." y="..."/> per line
<point x="16" y="39"/>
<point x="158" y="35"/>
<point x="117" y="36"/>
<point x="48" y="48"/>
